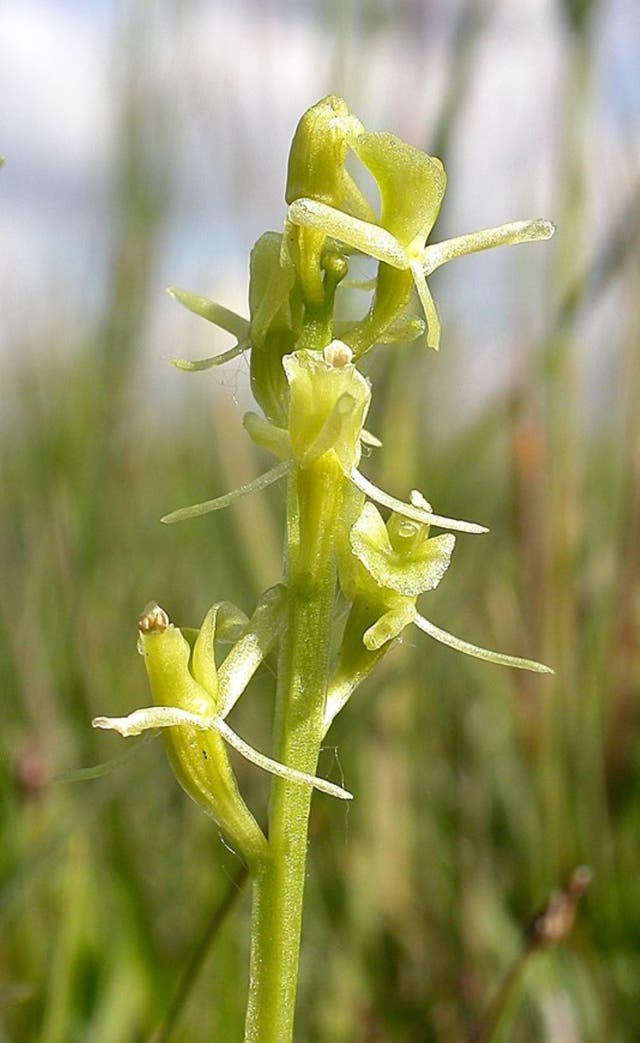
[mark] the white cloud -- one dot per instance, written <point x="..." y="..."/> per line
<point x="54" y="104"/>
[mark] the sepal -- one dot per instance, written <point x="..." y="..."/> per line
<point x="220" y="502"/>
<point x="212" y="312"/>
<point x="268" y="435"/>
<point x="275" y="307"/>
<point x="479" y="653"/>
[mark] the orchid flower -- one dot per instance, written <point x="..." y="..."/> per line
<point x="193" y="698"/>
<point x="412" y="186"/>
<point x="383" y="571"/>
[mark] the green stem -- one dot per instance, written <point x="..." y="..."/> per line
<point x="315" y="496"/>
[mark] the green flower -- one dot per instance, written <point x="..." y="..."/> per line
<point x="412" y="186"/>
<point x="192" y="698"/>
<point x="383" y="570"/>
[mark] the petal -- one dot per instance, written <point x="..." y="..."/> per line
<point x="412" y="184"/>
<point x="153" y="717"/>
<point x="389" y="626"/>
<point x="415" y="513"/>
<point x="368" y="238"/>
<point x="437" y="254"/>
<point x="276" y="768"/>
<point x="428" y="305"/>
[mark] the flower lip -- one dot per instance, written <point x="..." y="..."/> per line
<point x="154" y="620"/>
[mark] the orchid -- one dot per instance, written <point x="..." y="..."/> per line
<point x="313" y="403"/>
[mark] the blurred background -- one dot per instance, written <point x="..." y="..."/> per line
<point x="146" y="144"/>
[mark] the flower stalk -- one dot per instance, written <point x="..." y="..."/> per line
<point x="315" y="497"/>
<point x="314" y="402"/>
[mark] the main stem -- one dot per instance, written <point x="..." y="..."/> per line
<point x="314" y="500"/>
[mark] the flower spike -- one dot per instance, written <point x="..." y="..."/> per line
<point x="353" y="571"/>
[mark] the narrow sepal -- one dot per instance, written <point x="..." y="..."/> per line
<point x="479" y="653"/>
<point x="217" y="314"/>
<point x="199" y="365"/>
<point x="511" y="234"/>
<point x="220" y="502"/>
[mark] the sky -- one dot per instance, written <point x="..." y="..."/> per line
<point x="229" y="81"/>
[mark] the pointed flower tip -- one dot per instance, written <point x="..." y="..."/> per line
<point x="183" y="364"/>
<point x="177" y="294"/>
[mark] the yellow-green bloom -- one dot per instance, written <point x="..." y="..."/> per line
<point x="191" y="700"/>
<point x="412" y="185"/>
<point x="384" y="568"/>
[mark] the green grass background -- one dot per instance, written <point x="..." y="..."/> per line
<point x="478" y="790"/>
